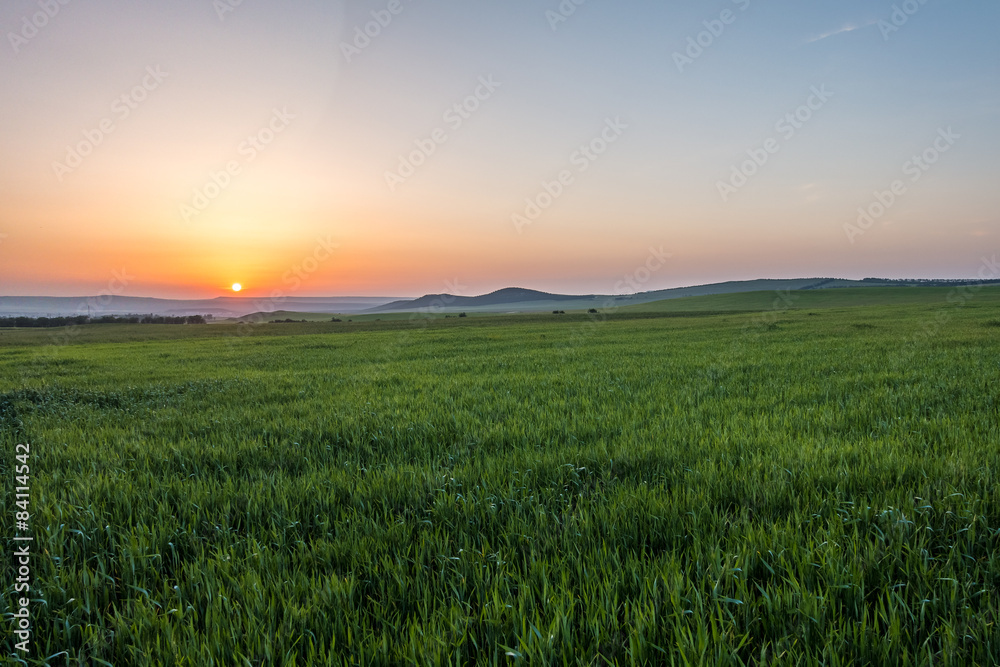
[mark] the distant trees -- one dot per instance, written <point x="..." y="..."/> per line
<point x="76" y="320"/>
<point x="930" y="282"/>
<point x="558" y="312"/>
<point x="33" y="322"/>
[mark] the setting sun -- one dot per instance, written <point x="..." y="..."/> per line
<point x="237" y="287"/>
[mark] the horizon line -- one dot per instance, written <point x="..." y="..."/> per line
<point x="291" y="297"/>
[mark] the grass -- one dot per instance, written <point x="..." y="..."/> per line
<point x="790" y="487"/>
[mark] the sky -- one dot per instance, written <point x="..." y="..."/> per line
<point x="404" y="147"/>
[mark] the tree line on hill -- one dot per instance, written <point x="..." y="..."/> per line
<point x="73" y="320"/>
<point x="931" y="282"/>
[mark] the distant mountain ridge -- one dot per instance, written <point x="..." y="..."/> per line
<point x="507" y="300"/>
<point x="503" y="296"/>
<point x="515" y="299"/>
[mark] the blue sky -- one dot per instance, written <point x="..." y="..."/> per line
<point x="555" y="87"/>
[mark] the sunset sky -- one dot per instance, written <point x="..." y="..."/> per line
<point x="193" y="144"/>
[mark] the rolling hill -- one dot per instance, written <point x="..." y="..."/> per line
<point x="817" y="299"/>
<point x="517" y="300"/>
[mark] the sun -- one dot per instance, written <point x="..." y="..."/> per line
<point x="237" y="287"/>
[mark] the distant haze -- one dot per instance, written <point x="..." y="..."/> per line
<point x="507" y="300"/>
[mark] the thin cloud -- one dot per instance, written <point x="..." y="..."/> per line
<point x="847" y="27"/>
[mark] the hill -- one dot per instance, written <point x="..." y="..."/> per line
<point x="518" y="300"/>
<point x="503" y="297"/>
<point x="816" y="299"/>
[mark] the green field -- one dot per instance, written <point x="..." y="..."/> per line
<point x="849" y="297"/>
<point x="813" y="482"/>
